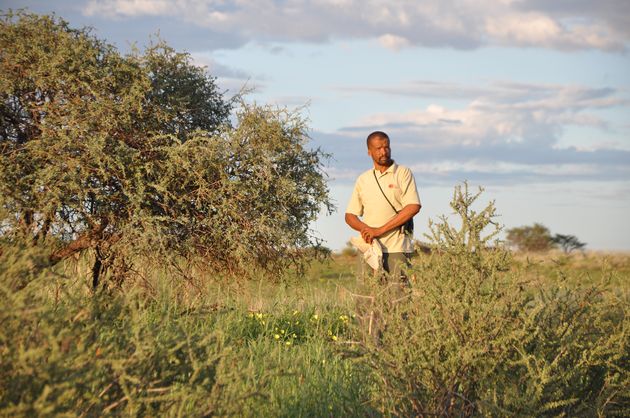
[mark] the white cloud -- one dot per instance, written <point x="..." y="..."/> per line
<point x="504" y="133"/>
<point x="612" y="14"/>
<point x="447" y="167"/>
<point x="506" y="113"/>
<point x="396" y="23"/>
<point x="536" y="29"/>
<point x="498" y="113"/>
<point x="126" y="8"/>
<point x="530" y="28"/>
<point x="218" y="17"/>
<point x="334" y="3"/>
<point x="393" y="42"/>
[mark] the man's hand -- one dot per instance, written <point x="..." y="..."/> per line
<point x="369" y="234"/>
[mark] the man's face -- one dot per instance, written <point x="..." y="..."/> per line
<point x="379" y="151"/>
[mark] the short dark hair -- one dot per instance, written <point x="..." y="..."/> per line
<point x="376" y="134"/>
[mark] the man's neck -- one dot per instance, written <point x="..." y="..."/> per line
<point x="383" y="168"/>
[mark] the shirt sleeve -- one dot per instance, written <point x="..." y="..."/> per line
<point x="355" y="206"/>
<point x="409" y="191"/>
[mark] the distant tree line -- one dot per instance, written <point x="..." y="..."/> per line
<point x="141" y="155"/>
<point x="538" y="238"/>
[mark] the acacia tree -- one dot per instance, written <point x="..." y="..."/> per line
<point x="530" y="238"/>
<point x="568" y="243"/>
<point x="134" y="154"/>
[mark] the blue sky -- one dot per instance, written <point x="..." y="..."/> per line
<point x="528" y="98"/>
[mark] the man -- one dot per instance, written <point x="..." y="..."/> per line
<point x="379" y="219"/>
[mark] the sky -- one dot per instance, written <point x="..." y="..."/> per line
<point x="529" y="99"/>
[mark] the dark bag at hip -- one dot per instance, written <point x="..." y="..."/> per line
<point x="407" y="227"/>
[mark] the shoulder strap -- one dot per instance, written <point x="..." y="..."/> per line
<point x="379" y="186"/>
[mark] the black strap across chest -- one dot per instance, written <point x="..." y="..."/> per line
<point x="379" y="186"/>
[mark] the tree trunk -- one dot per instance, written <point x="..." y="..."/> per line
<point x="83" y="242"/>
<point x="25" y="222"/>
<point x="96" y="270"/>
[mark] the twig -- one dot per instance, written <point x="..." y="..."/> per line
<point x="94" y="403"/>
<point x="351" y="342"/>
<point x="158" y="390"/>
<point x="399" y="299"/>
<point x="115" y="404"/>
<point x="105" y="390"/>
<point x="359" y="296"/>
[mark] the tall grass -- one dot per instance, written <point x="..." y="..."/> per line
<point x="155" y="348"/>
<point x="477" y="334"/>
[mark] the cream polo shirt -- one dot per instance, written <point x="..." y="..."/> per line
<point x="368" y="202"/>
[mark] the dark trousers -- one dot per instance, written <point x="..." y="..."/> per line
<point x="394" y="266"/>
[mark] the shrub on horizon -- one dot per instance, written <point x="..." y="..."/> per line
<point x="536" y="238"/>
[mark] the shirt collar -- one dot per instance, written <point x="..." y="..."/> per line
<point x="390" y="169"/>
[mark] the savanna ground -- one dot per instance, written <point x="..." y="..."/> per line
<point x="552" y="342"/>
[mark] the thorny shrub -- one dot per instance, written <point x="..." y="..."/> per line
<point x="473" y="339"/>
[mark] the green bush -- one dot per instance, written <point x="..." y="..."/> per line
<point x="75" y="355"/>
<point x="472" y="338"/>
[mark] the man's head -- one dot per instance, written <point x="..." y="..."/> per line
<point x="378" y="148"/>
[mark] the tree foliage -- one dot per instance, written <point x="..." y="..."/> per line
<point x="182" y="97"/>
<point x="129" y="155"/>
<point x="530" y="238"/>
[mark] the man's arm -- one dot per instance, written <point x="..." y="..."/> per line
<point x="401" y="218"/>
<point x="354" y="222"/>
<point x="368" y="233"/>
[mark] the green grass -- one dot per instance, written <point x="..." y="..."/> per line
<point x="577" y="268"/>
